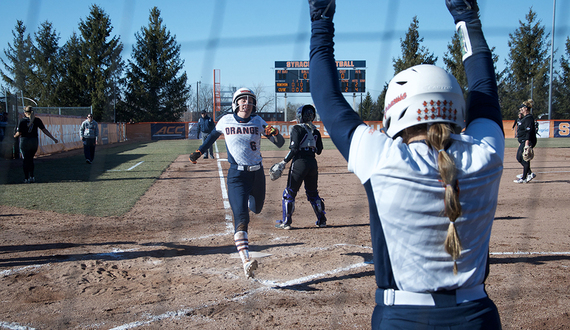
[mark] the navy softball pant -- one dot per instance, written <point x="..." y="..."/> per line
<point x="246" y="191"/>
<point x="479" y="314"/>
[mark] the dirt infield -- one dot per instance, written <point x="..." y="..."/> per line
<point x="170" y="262"/>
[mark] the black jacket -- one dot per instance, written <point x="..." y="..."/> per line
<point x="527" y="130"/>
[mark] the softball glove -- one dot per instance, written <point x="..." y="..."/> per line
<point x="276" y="170"/>
<point x="528" y="154"/>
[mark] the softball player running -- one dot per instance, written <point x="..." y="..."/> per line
<point x="305" y="143"/>
<point x="432" y="191"/>
<point x="246" y="179"/>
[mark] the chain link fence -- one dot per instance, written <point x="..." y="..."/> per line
<point x="62" y="111"/>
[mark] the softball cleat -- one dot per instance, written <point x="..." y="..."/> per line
<point x="249" y="267"/>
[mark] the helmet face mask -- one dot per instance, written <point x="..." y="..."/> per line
<point x="305" y="114"/>
<point x="243" y="93"/>
<point x="423" y="94"/>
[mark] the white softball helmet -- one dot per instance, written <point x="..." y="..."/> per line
<point x="423" y="94"/>
<point x="241" y="93"/>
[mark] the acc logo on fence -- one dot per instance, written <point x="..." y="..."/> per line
<point x="168" y="131"/>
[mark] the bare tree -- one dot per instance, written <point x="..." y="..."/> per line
<point x="264" y="99"/>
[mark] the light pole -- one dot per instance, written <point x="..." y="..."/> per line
<point x="551" y="60"/>
<point x="198" y="96"/>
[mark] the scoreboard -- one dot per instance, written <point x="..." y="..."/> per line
<point x="293" y="76"/>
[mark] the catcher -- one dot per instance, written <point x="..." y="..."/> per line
<point x="526" y="134"/>
<point x="305" y="143"/>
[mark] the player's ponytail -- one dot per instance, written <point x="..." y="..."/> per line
<point x="29" y="110"/>
<point x="439" y="137"/>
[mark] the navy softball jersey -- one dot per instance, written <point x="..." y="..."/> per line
<point x="402" y="181"/>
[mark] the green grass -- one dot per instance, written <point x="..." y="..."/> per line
<point x="104" y="188"/>
<point x="542" y="143"/>
<point x="107" y="187"/>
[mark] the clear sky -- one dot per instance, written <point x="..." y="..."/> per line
<point x="243" y="39"/>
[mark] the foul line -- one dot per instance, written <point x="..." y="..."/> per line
<point x="229" y="222"/>
<point x="128" y="169"/>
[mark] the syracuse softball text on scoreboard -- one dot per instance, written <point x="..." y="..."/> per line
<point x="293" y="76"/>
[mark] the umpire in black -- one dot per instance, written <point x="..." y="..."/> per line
<point x="305" y="143"/>
<point x="205" y="126"/>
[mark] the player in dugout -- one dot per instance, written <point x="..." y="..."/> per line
<point x="432" y="190"/>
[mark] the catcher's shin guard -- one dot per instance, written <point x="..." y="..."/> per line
<point x="318" y="205"/>
<point x="288" y="205"/>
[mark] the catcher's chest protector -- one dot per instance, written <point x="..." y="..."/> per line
<point x="309" y="141"/>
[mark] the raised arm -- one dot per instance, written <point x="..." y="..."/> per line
<point x="337" y="115"/>
<point x="483" y="98"/>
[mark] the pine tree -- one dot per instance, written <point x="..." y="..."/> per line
<point x="156" y="87"/>
<point x="45" y="62"/>
<point x="72" y="89"/>
<point x="528" y="66"/>
<point x="100" y="59"/>
<point x="453" y="60"/>
<point x="379" y="104"/>
<point x="18" y="57"/>
<point x="561" y="109"/>
<point x="366" y="107"/>
<point x="412" y="52"/>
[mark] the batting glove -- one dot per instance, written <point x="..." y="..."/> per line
<point x="463" y="10"/>
<point x="194" y="156"/>
<point x="322" y="9"/>
<point x="271" y="131"/>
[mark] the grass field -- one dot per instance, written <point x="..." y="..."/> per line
<point x="118" y="177"/>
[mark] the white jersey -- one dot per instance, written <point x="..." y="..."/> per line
<point x="243" y="139"/>
<point x="409" y="199"/>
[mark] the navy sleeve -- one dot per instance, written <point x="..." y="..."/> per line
<point x="209" y="141"/>
<point x="294" y="145"/>
<point x="483" y="97"/>
<point x="335" y="112"/>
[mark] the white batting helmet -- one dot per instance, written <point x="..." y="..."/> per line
<point x="241" y="93"/>
<point x="423" y="94"/>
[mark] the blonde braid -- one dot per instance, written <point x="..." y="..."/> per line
<point x="439" y="137"/>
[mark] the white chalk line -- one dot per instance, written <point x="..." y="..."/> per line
<point x="9" y="272"/>
<point x="268" y="284"/>
<point x="14" y="326"/>
<point x="528" y="253"/>
<point x="128" y="169"/>
<point x="227" y="208"/>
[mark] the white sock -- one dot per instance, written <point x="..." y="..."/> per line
<point x="242" y="245"/>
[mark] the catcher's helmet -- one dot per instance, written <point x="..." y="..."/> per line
<point x="305" y="114"/>
<point x="241" y="93"/>
<point x="423" y="94"/>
